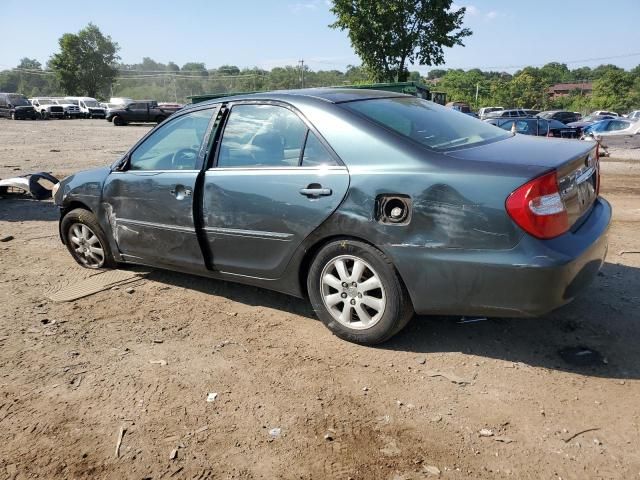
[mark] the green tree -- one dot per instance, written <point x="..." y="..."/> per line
<point x="612" y="90"/>
<point x="390" y="35"/>
<point x="30" y="64"/>
<point x="86" y="61"/>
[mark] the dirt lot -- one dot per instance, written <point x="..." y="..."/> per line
<point x="73" y="374"/>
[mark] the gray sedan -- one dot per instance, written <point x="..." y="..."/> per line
<point x="371" y="204"/>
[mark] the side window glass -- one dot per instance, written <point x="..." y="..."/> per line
<point x="261" y="136"/>
<point x="173" y="146"/>
<point x="315" y="154"/>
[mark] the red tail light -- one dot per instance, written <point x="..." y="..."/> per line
<point x="537" y="207"/>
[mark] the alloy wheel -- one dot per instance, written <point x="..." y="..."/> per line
<point x="86" y="245"/>
<point x="352" y="292"/>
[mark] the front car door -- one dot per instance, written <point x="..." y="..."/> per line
<point x="275" y="181"/>
<point x="149" y="201"/>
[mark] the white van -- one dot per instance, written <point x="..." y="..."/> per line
<point x="89" y="107"/>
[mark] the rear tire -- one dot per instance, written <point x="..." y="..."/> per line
<point x="85" y="240"/>
<point x="357" y="293"/>
<point x="160" y="119"/>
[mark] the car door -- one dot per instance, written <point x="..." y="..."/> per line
<point x="275" y="181"/>
<point x="149" y="201"/>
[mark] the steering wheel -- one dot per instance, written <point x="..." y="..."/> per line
<point x="184" y="159"/>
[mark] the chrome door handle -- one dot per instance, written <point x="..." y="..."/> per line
<point x="315" y="192"/>
<point x="179" y="191"/>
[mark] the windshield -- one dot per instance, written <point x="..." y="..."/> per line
<point x="91" y="103"/>
<point x="427" y="123"/>
<point x="18" y="101"/>
<point x="545" y="114"/>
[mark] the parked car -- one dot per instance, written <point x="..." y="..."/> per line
<point x="47" y="108"/>
<point x="71" y="110"/>
<point x="372" y="204"/>
<point x="138" y="112"/>
<point x="634" y="115"/>
<point x="613" y="126"/>
<point x="484" y="111"/>
<point x="588" y="120"/>
<point x="16" y="106"/>
<point x="512" y="112"/>
<point x="561" y="116"/>
<point x="535" y="126"/>
<point x="605" y="112"/>
<point x="89" y="107"/>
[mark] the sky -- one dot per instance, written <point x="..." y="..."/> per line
<point x="507" y="34"/>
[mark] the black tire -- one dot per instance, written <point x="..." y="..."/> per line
<point x="118" y="122"/>
<point x="43" y="115"/>
<point x="397" y="311"/>
<point x="13" y="116"/>
<point x="80" y="217"/>
<point x="160" y="119"/>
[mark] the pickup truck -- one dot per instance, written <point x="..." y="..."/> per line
<point x="138" y="112"/>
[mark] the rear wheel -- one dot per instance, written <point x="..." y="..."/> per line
<point x="85" y="240"/>
<point x="160" y="119"/>
<point x="356" y="292"/>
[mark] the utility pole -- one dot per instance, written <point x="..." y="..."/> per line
<point x="477" y="88"/>
<point x="302" y="73"/>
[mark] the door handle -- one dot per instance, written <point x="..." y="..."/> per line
<point x="315" y="191"/>
<point x="180" y="191"/>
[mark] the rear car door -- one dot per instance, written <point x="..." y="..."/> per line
<point x="149" y="202"/>
<point x="275" y="181"/>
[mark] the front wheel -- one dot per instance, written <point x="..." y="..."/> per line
<point x="13" y="115"/>
<point x="357" y="293"/>
<point x="85" y="240"/>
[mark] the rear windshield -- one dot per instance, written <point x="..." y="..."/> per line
<point x="427" y="123"/>
<point x="18" y="100"/>
<point x="91" y="103"/>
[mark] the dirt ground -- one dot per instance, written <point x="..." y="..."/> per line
<point x="72" y="375"/>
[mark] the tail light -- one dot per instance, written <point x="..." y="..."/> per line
<point x="538" y="209"/>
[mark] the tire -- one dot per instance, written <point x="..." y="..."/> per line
<point x="118" y="122"/>
<point x="43" y="115"/>
<point x="34" y="117"/>
<point x="13" y="116"/>
<point x="160" y="119"/>
<point x="386" y="309"/>
<point x="83" y="237"/>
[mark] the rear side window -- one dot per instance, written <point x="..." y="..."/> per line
<point x="262" y="136"/>
<point x="315" y="154"/>
<point x="427" y="123"/>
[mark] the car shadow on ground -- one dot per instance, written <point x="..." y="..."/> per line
<point x="22" y="208"/>
<point x="596" y="335"/>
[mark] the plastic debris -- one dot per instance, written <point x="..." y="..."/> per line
<point x="211" y="397"/>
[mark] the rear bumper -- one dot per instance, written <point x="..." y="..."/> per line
<point x="534" y="278"/>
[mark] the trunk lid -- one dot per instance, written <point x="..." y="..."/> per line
<point x="575" y="162"/>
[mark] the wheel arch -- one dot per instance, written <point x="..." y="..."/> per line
<point x="73" y="205"/>
<point x="312" y="251"/>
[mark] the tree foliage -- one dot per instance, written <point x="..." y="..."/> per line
<point x="389" y="35"/>
<point x="85" y="64"/>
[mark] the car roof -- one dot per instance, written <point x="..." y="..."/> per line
<point x="326" y="95"/>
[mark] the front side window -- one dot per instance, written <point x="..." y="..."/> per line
<point x="262" y="136"/>
<point x="18" y="101"/>
<point x="175" y="145"/>
<point x="427" y="123"/>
